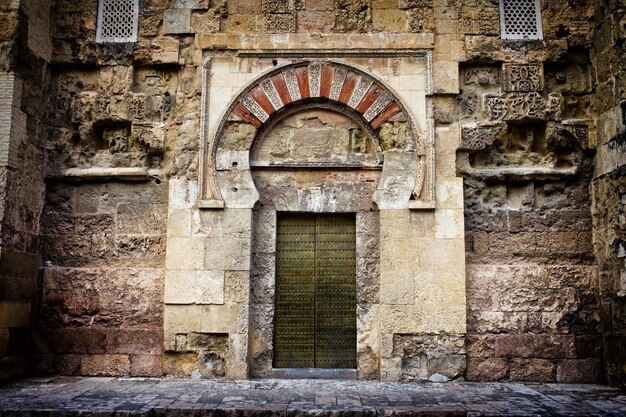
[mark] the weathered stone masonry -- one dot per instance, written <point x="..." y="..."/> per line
<point x="141" y="184"/>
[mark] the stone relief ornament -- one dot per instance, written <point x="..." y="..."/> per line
<point x="137" y="107"/>
<point x="522" y="78"/>
<point x="280" y="23"/>
<point x="277" y="6"/>
<point x="292" y="84"/>
<point x="516" y="106"/>
<point x="166" y="106"/>
<point x="359" y="92"/>
<point x="468" y="103"/>
<point x="378" y="106"/>
<point x="315" y="75"/>
<point x="481" y="76"/>
<point x="337" y="84"/>
<point x="553" y="106"/>
<point x="270" y="91"/>
<point x="254" y="108"/>
<point x="478" y="138"/>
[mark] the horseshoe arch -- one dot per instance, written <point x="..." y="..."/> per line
<point x="225" y="179"/>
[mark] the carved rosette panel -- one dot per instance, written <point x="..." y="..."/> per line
<point x="522" y="78"/>
<point x="299" y="84"/>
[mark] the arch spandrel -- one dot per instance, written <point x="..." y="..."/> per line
<point x="227" y="181"/>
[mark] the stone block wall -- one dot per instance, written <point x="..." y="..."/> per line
<point x="23" y="87"/>
<point x="102" y="279"/>
<point x="609" y="184"/>
<point x="526" y="154"/>
<point x="122" y="127"/>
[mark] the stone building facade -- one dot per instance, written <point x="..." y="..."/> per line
<point x="150" y="175"/>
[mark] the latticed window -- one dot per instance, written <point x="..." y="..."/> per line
<point x="520" y="19"/>
<point x="117" y="21"/>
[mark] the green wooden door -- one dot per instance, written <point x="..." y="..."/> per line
<point x="315" y="316"/>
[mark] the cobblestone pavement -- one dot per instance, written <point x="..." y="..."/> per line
<point x="137" y="397"/>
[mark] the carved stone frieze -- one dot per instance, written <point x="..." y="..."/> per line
<point x="517" y="106"/>
<point x="481" y="76"/>
<point x="476" y="138"/>
<point x="277" y="6"/>
<point x="522" y="78"/>
<point x="280" y="23"/>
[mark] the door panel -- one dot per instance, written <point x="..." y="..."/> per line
<point x="315" y="291"/>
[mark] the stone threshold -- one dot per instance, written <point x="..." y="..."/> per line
<point x="313" y="373"/>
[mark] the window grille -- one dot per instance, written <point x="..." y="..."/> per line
<point x="117" y="21"/>
<point x="520" y="19"/>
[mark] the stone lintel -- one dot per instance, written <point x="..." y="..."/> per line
<point x="321" y="41"/>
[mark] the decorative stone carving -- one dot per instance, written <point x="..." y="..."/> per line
<point x="378" y="106"/>
<point x="517" y="106"/>
<point x="478" y="138"/>
<point x="254" y="107"/>
<point x="352" y="15"/>
<point x="553" y="106"/>
<point x="277" y="6"/>
<point x="522" y="78"/>
<point x="359" y="92"/>
<point x="103" y="107"/>
<point x="280" y="23"/>
<point x="158" y="79"/>
<point x="315" y="75"/>
<point x="117" y="139"/>
<point x="292" y="84"/>
<point x="150" y="135"/>
<point x="270" y="91"/>
<point x="481" y="76"/>
<point x="137" y="107"/>
<point x="166" y="106"/>
<point x="467" y="102"/>
<point x="338" y="79"/>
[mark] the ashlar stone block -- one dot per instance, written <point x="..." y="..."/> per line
<point x="209" y="287"/>
<point x="177" y="21"/>
<point x="183" y="193"/>
<point x="228" y="254"/>
<point x="180" y="287"/>
<point x="185" y="253"/>
<point x="165" y="50"/>
<point x="449" y="224"/>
